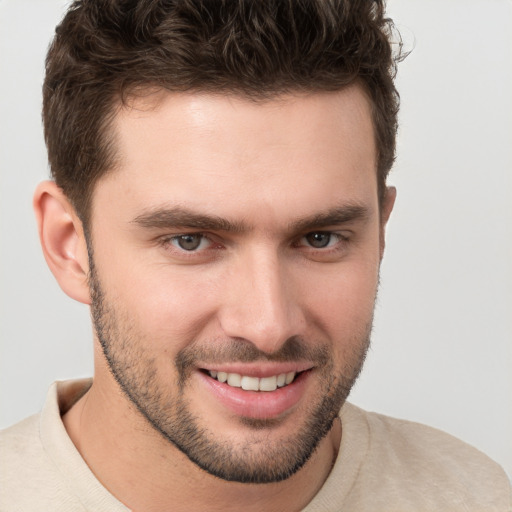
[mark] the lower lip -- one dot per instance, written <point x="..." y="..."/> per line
<point x="258" y="404"/>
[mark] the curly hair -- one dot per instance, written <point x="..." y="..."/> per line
<point x="105" y="50"/>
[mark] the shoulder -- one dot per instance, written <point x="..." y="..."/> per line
<point x="410" y="443"/>
<point x="32" y="473"/>
<point x="423" y="465"/>
<point x="20" y="440"/>
<point x="24" y="465"/>
<point x="20" y="445"/>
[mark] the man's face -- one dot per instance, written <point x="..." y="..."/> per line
<point x="238" y="241"/>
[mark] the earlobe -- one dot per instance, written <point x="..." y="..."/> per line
<point x="385" y="213"/>
<point x="62" y="240"/>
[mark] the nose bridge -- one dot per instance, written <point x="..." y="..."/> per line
<point x="259" y="305"/>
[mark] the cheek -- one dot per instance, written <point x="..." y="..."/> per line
<point x="169" y="308"/>
<point x="341" y="302"/>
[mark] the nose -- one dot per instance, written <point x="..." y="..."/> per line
<point x="260" y="305"/>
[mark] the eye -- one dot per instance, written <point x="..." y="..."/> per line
<point x="190" y="242"/>
<point x="320" y="239"/>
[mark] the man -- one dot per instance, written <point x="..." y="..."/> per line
<point x="220" y="201"/>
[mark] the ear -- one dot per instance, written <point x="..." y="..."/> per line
<point x="385" y="212"/>
<point x="62" y="240"/>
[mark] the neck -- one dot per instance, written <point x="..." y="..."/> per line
<point x="146" y="472"/>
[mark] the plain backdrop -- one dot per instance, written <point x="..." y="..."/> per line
<point x="441" y="351"/>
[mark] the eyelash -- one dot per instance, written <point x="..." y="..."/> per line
<point x="167" y="243"/>
<point x="339" y="238"/>
<point x="340" y="243"/>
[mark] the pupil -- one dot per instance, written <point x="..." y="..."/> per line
<point x="189" y="242"/>
<point x="318" y="240"/>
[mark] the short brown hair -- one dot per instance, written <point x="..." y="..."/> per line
<point x="104" y="50"/>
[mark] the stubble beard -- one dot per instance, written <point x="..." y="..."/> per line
<point x="257" y="459"/>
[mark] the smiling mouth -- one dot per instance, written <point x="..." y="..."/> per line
<point x="248" y="383"/>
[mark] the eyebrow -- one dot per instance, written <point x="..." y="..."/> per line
<point x="333" y="217"/>
<point x="179" y="217"/>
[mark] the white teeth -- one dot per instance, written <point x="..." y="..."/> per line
<point x="250" y="383"/>
<point x="268" y="383"/>
<point x="289" y="377"/>
<point x="254" y="383"/>
<point x="234" y="380"/>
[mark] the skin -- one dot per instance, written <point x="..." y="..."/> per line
<point x="271" y="170"/>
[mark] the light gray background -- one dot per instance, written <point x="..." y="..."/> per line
<point x="441" y="349"/>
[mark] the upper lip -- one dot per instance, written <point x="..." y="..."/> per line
<point x="260" y="370"/>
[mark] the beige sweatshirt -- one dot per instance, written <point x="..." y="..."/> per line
<point x="384" y="464"/>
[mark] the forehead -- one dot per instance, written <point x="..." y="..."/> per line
<point x="203" y="150"/>
<point x="245" y="121"/>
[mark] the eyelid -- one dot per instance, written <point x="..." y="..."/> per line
<point x="175" y="236"/>
<point x="180" y="254"/>
<point x="341" y="236"/>
<point x="202" y="239"/>
<point x="342" y="239"/>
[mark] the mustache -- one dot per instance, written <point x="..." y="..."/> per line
<point x="240" y="350"/>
